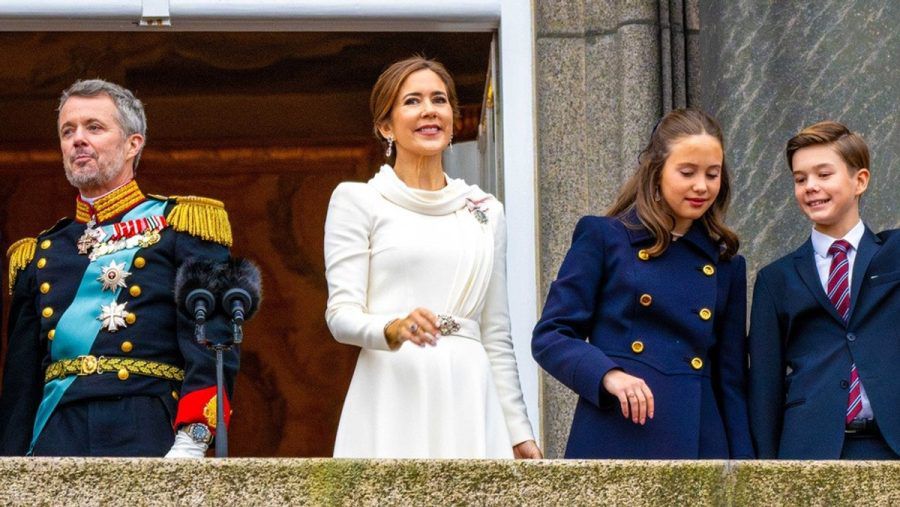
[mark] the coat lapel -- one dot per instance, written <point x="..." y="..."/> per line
<point x="805" y="262"/>
<point x="868" y="247"/>
<point x="698" y="237"/>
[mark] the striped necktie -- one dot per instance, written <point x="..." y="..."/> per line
<point x="839" y="293"/>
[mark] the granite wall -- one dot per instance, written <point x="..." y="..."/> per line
<point x="771" y="68"/>
<point x="607" y="69"/>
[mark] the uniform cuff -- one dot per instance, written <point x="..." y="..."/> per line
<point x="200" y="407"/>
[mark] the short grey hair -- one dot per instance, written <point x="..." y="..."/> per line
<point x="131" y="117"/>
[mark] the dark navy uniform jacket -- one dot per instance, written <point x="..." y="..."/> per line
<point x="45" y="289"/>
<point x="677" y="321"/>
<point x="801" y="351"/>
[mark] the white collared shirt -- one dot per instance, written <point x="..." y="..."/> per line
<point x="821" y="243"/>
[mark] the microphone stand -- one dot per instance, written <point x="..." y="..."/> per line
<point x="220" y="347"/>
<point x="235" y="301"/>
<point x="221" y="428"/>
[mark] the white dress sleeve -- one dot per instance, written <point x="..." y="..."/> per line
<point x="497" y="340"/>
<point x="347" y="257"/>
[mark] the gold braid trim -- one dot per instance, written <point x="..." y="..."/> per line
<point x="90" y="365"/>
<point x="111" y="205"/>
<point x="20" y="254"/>
<point x="201" y="217"/>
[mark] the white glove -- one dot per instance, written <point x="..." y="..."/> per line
<point x="186" y="447"/>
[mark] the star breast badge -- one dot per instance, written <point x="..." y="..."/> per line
<point x="113" y="276"/>
<point x="113" y="316"/>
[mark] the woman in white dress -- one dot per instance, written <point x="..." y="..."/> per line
<point x="416" y="269"/>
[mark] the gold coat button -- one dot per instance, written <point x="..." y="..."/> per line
<point x="709" y="270"/>
<point x="47" y="312"/>
<point x="643" y="255"/>
<point x="51" y="334"/>
<point x="130" y="318"/>
<point x="45" y="288"/>
<point x="175" y="394"/>
<point x="646" y="299"/>
<point x="135" y="290"/>
<point x="46" y="244"/>
<point x="41" y="263"/>
<point x="705" y="314"/>
<point x="139" y="262"/>
<point x="696" y="363"/>
<point x="123" y="374"/>
<point x="127" y="347"/>
<point x="637" y="346"/>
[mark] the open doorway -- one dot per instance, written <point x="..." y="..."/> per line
<point x="267" y="122"/>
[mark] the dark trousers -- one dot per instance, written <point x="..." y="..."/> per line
<point x="867" y="447"/>
<point x="128" y="426"/>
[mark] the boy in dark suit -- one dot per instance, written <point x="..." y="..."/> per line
<point x="824" y="338"/>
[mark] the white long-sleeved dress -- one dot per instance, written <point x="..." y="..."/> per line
<point x="388" y="250"/>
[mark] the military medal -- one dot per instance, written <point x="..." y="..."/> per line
<point x="113" y="276"/>
<point x="139" y="232"/>
<point x="113" y="316"/>
<point x="91" y="237"/>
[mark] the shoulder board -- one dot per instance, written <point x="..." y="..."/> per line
<point x="62" y="222"/>
<point x="20" y="254"/>
<point x="158" y="197"/>
<point x="202" y="217"/>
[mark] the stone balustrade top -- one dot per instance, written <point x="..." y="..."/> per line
<point x="298" y="481"/>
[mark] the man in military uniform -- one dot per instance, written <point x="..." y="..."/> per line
<point x="100" y="362"/>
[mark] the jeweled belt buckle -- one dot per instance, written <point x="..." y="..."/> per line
<point x="447" y="325"/>
<point x="88" y="366"/>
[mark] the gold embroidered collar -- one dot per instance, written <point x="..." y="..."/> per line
<point x="111" y="205"/>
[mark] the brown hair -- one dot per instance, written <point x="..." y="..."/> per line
<point x="384" y="93"/>
<point x="849" y="145"/>
<point x="638" y="192"/>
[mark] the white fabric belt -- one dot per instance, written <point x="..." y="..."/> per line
<point x="468" y="328"/>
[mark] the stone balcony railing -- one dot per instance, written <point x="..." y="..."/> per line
<point x="240" y="482"/>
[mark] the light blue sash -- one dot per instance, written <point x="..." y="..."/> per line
<point x="78" y="326"/>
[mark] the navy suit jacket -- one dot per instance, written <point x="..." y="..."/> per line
<point x="677" y="321"/>
<point x="801" y="351"/>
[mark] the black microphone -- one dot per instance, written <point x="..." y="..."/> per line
<point x="241" y="289"/>
<point x="194" y="283"/>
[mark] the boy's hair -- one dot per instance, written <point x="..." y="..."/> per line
<point x="849" y="145"/>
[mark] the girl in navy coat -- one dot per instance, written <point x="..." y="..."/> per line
<point x="646" y="320"/>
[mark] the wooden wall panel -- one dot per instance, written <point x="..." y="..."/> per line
<point x="293" y="375"/>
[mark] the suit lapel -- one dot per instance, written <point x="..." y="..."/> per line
<point x="805" y="262"/>
<point x="868" y="247"/>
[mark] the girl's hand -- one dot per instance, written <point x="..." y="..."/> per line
<point x="634" y="396"/>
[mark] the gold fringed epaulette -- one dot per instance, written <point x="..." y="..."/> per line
<point x="201" y="217"/>
<point x="20" y="254"/>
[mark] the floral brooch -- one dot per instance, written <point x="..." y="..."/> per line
<point x="477" y="209"/>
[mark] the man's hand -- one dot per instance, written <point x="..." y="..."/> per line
<point x="186" y="447"/>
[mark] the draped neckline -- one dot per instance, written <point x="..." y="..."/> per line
<point x="428" y="202"/>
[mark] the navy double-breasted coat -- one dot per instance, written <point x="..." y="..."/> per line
<point x="677" y="321"/>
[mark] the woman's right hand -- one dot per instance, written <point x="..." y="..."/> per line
<point x="634" y="396"/>
<point x="419" y="327"/>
